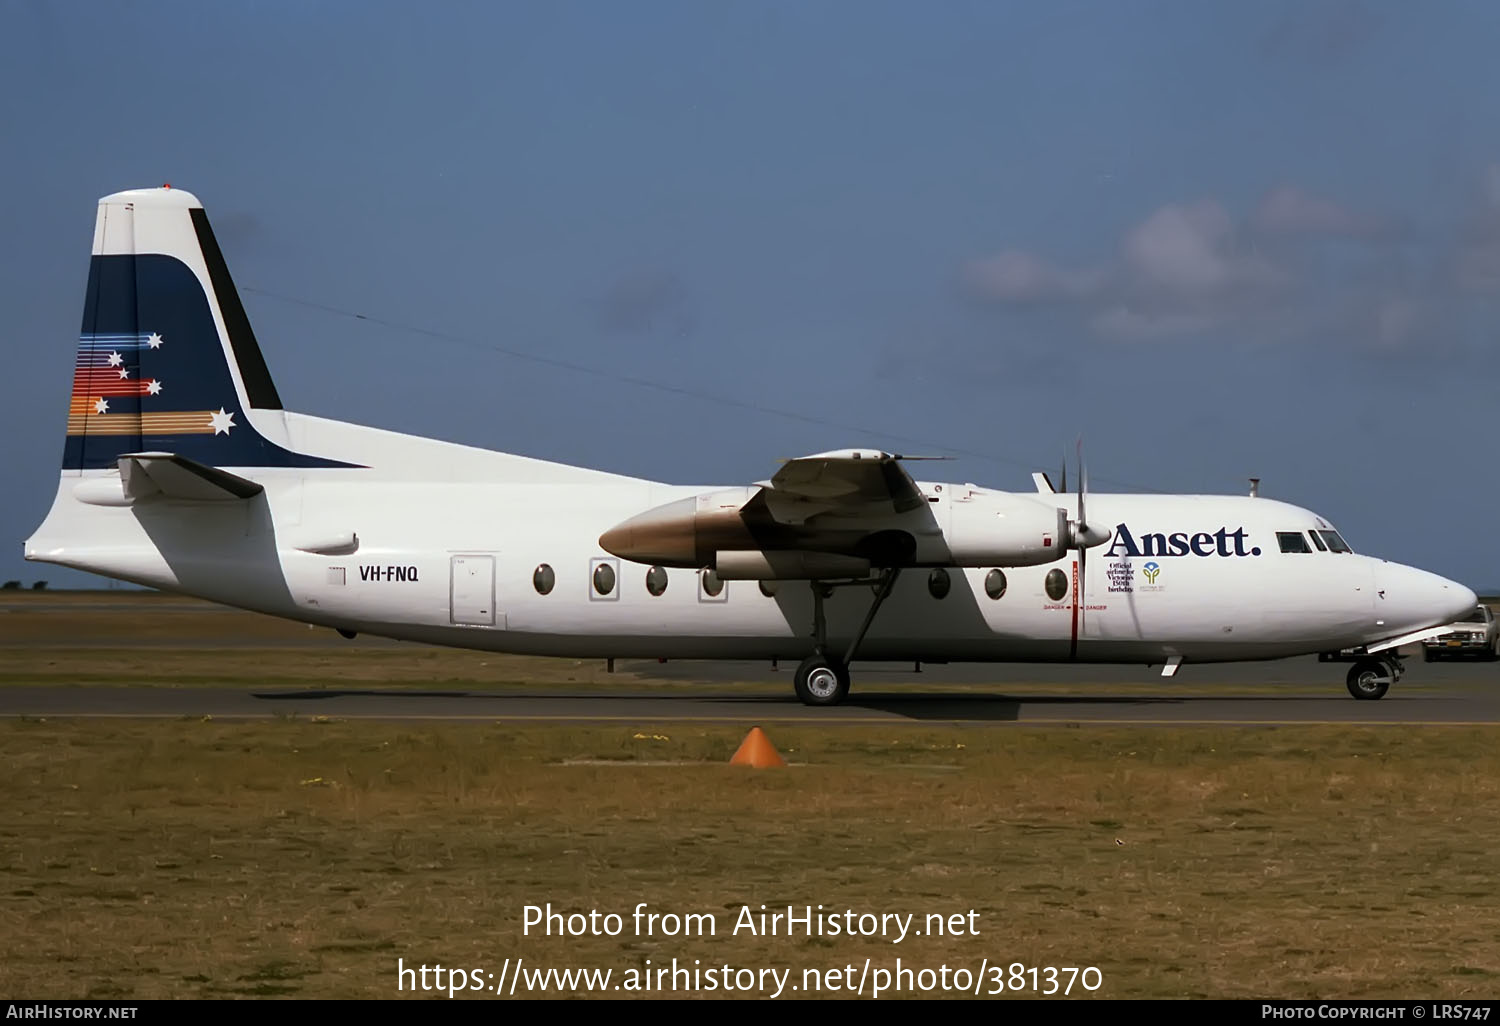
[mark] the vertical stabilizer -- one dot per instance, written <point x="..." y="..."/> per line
<point x="166" y="359"/>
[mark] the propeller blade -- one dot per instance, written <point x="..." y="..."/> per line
<point x="1086" y="534"/>
<point x="1083" y="489"/>
<point x="1083" y="543"/>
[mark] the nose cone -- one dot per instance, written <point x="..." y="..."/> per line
<point x="1410" y="599"/>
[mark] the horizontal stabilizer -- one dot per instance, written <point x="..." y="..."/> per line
<point x="144" y="474"/>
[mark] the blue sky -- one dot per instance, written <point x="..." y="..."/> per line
<point x="687" y="240"/>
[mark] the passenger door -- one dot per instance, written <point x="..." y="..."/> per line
<point x="472" y="591"/>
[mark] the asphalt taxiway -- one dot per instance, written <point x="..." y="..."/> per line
<point x="1240" y="696"/>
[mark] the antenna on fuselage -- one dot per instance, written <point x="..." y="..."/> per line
<point x="1254" y="487"/>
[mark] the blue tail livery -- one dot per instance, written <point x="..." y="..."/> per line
<point x="167" y="360"/>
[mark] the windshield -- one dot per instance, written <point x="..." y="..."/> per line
<point x="1335" y="543"/>
<point x="1477" y="616"/>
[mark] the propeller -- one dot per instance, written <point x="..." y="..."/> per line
<point x="1084" y="535"/>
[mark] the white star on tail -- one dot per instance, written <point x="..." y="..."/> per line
<point x="221" y="422"/>
<point x="115" y="359"/>
<point x="154" y="340"/>
<point x="124" y="374"/>
<point x="154" y="388"/>
<point x="100" y="406"/>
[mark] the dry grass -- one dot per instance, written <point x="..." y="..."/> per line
<point x="187" y="858"/>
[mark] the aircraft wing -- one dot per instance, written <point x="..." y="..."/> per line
<point x="828" y="503"/>
<point x="846" y="479"/>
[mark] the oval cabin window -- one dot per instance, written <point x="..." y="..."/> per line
<point x="604" y="578"/>
<point x="656" y="580"/>
<point x="1056" y="584"/>
<point x="938" y="583"/>
<point x="543" y="579"/>
<point x="994" y="583"/>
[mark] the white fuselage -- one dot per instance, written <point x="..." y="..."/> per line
<point x="452" y="562"/>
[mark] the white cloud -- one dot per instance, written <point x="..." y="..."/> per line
<point x="1192" y="272"/>
<point x="1017" y="277"/>
<point x="1191" y="252"/>
<point x="1123" y="324"/>
<point x="1291" y="210"/>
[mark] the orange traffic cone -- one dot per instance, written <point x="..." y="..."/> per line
<point x="757" y="751"/>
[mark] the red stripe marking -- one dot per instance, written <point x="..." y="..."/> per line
<point x="1073" y="648"/>
<point x="99" y="383"/>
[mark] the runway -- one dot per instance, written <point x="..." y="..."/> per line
<point x="166" y="657"/>
<point x="1167" y="705"/>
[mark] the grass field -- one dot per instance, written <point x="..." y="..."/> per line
<point x="191" y="858"/>
<point x="182" y="858"/>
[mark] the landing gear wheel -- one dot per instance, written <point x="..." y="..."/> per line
<point x="821" y="680"/>
<point x="1369" y="679"/>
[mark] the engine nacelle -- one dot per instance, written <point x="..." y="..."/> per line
<point x="1003" y="529"/>
<point x="684" y="533"/>
<point x="788" y="566"/>
<point x="973" y="528"/>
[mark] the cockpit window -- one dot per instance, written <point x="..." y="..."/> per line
<point x="1317" y="542"/>
<point x="1335" y="543"/>
<point x="1292" y="541"/>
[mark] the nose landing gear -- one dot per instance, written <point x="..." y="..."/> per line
<point x="1371" y="677"/>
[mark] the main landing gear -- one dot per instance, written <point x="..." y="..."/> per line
<point x="1371" y="677"/>
<point x="823" y="679"/>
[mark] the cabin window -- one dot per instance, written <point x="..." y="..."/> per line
<point x="1056" y="585"/>
<point x="656" y="580"/>
<point x="768" y="588"/>
<point x="604" y="578"/>
<point x="1317" y="542"/>
<point x="1335" y="543"/>
<point x="1292" y="541"/>
<point x="994" y="583"/>
<point x="712" y="583"/>
<point x="543" y="579"/>
<point x="938" y="583"/>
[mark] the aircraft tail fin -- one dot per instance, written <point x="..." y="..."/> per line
<point x="166" y="358"/>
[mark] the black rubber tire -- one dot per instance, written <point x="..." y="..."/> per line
<point x="1368" y="680"/>
<point x="1428" y="656"/>
<point x="821" y="680"/>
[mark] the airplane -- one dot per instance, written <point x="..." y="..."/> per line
<point x="183" y="472"/>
